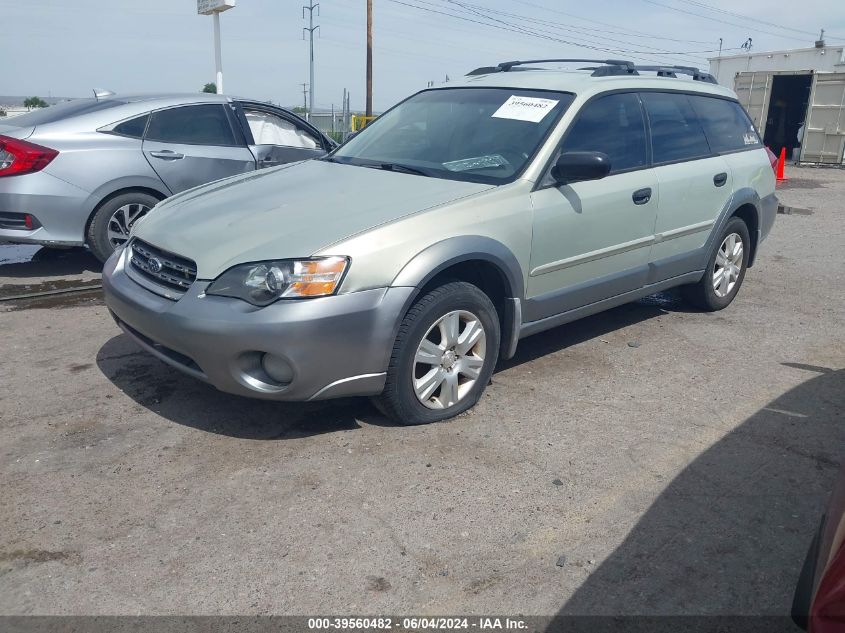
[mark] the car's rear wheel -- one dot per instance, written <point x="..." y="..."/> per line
<point x="110" y="226"/>
<point x="443" y="356"/>
<point x="725" y="269"/>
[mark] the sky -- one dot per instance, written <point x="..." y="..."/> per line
<point x="66" y="48"/>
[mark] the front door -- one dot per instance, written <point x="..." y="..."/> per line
<point x="194" y="144"/>
<point x="592" y="239"/>
<point x="277" y="139"/>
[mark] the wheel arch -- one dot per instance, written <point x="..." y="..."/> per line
<point x="108" y="192"/>
<point x="482" y="261"/>
<point x="745" y="204"/>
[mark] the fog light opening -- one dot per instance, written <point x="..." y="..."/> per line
<point x="277" y="369"/>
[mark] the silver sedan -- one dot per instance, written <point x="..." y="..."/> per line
<point x="84" y="171"/>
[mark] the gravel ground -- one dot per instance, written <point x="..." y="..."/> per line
<point x="678" y="461"/>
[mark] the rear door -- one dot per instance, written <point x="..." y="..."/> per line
<point x="191" y="145"/>
<point x="695" y="183"/>
<point x="274" y="137"/>
<point x="824" y="131"/>
<point x="753" y="90"/>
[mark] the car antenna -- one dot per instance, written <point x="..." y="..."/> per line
<point x="102" y="93"/>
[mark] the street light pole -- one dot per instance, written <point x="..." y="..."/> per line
<point x="218" y="55"/>
<point x="369" y="58"/>
<point x="214" y="8"/>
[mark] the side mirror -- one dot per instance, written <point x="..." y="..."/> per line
<point x="577" y="166"/>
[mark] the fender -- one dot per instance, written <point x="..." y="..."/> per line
<point x="119" y="184"/>
<point x="739" y="198"/>
<point x="425" y="265"/>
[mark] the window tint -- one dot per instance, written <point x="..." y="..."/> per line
<point x="726" y="124"/>
<point x="269" y="129"/>
<point x="132" y="127"/>
<point x="676" y="133"/>
<point x="197" y="125"/>
<point x="613" y="125"/>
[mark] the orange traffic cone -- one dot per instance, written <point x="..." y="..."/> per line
<point x="780" y="176"/>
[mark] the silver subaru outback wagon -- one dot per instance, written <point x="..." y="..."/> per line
<point x="404" y="264"/>
<point x="84" y="171"/>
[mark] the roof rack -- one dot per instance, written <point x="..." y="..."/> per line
<point x="608" y="68"/>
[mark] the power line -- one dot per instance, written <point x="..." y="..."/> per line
<point x="558" y="25"/>
<point x="707" y="17"/>
<point x="507" y="26"/>
<point x="625" y="32"/>
<point x="747" y="17"/>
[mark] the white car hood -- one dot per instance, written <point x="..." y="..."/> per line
<point x="294" y="210"/>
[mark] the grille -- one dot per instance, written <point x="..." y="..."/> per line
<point x="161" y="267"/>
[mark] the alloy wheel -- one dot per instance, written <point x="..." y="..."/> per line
<point x="449" y="359"/>
<point x="121" y="221"/>
<point x="728" y="266"/>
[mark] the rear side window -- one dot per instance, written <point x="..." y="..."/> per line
<point x="726" y="124"/>
<point x="195" y="125"/>
<point x="133" y="127"/>
<point x="676" y="133"/>
<point x="614" y="125"/>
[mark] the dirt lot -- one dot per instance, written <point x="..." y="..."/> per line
<point x="679" y="461"/>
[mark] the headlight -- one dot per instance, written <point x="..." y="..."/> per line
<point x="262" y="283"/>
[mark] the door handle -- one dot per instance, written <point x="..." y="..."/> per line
<point x="641" y="196"/>
<point x="720" y="179"/>
<point x="167" y="154"/>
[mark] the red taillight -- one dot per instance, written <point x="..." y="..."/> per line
<point x="773" y="160"/>
<point x="21" y="157"/>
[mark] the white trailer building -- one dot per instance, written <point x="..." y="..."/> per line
<point x="795" y="97"/>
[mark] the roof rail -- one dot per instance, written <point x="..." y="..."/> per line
<point x="608" y="68"/>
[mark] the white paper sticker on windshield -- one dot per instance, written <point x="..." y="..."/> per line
<point x="525" y="108"/>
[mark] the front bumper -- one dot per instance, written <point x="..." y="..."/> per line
<point x="336" y="346"/>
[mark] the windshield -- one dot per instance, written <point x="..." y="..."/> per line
<point x="479" y="134"/>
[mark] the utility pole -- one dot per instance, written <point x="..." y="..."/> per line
<point x="369" y="58"/>
<point x="305" y="98"/>
<point x="310" y="28"/>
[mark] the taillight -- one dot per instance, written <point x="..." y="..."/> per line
<point x="21" y="157"/>
<point x="773" y="160"/>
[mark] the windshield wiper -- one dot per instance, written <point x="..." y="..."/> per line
<point x="404" y="169"/>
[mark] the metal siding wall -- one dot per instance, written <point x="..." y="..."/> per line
<point x="824" y="134"/>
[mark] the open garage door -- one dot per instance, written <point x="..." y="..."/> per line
<point x="824" y="133"/>
<point x="753" y="90"/>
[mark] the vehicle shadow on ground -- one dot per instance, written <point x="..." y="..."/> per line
<point x="187" y="401"/>
<point x="23" y="261"/>
<point x="595" y="326"/>
<point x="729" y="534"/>
<point x="190" y="402"/>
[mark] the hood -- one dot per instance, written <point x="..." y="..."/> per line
<point x="289" y="211"/>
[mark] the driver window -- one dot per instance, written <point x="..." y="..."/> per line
<point x="614" y="125"/>
<point x="269" y="129"/>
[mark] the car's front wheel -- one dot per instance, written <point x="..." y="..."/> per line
<point x="443" y="357"/>
<point x="110" y="226"/>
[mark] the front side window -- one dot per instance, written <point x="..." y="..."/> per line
<point x="195" y="125"/>
<point x="270" y="129"/>
<point x="726" y="124"/>
<point x="613" y="125"/>
<point x="478" y="134"/>
<point x="676" y="132"/>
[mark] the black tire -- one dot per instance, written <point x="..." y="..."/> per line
<point x="98" y="237"/>
<point x="398" y="401"/>
<point x="703" y="294"/>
